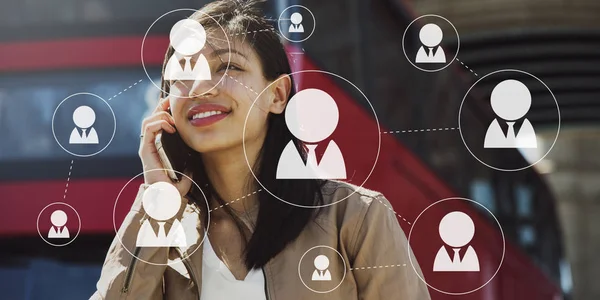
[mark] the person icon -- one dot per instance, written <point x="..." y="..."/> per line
<point x="296" y="25"/>
<point x="84" y="117"/>
<point x="58" y="230"/>
<point x="510" y="100"/>
<point x="321" y="272"/>
<point x="161" y="202"/>
<point x="431" y="37"/>
<point x="456" y="230"/>
<point x="187" y="38"/>
<point x="311" y="116"/>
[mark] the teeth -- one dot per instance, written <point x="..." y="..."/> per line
<point x="206" y="114"/>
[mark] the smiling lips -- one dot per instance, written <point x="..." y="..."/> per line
<point x="207" y="114"/>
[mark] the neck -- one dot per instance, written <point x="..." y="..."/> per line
<point x="230" y="176"/>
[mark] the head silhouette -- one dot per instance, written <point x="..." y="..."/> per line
<point x="312" y="115"/>
<point x="431" y="35"/>
<point x="510" y="100"/>
<point x="58" y="218"/>
<point x="457" y="229"/>
<point x="296" y="18"/>
<point x="161" y="201"/>
<point x="187" y="37"/>
<point x="84" y="117"/>
<point x="321" y="262"/>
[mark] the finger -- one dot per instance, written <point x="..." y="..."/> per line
<point x="163" y="105"/>
<point x="163" y="115"/>
<point x="153" y="128"/>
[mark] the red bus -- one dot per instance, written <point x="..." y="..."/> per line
<point x="53" y="51"/>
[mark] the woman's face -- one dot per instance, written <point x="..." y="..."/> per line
<point x="210" y="114"/>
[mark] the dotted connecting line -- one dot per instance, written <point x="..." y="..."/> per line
<point x="378" y="267"/>
<point x="397" y="214"/>
<point x="238" y="199"/>
<point x="421" y="130"/>
<point x="466" y="67"/>
<point x="68" y="179"/>
<point x="124" y="90"/>
<point x="255" y="31"/>
<point x="242" y="84"/>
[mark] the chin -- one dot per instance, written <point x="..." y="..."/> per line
<point x="210" y="143"/>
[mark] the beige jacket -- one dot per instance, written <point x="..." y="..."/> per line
<point x="361" y="228"/>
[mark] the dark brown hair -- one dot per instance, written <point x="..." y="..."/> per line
<point x="278" y="223"/>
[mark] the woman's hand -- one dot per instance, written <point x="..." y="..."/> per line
<point x="160" y="120"/>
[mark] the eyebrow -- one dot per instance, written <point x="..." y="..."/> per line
<point x="218" y="52"/>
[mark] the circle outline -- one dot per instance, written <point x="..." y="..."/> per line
<point x="306" y="38"/>
<point x="38" y="223"/>
<point x="411" y="252"/>
<point x="457" y="43"/>
<point x="183" y="256"/>
<point x="114" y="124"/>
<point x="341" y="281"/>
<point x="501" y="169"/>
<point x="378" y="136"/>
<point x="144" y="41"/>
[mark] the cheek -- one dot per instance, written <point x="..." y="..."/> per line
<point x="177" y="111"/>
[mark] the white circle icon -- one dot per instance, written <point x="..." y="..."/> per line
<point x="431" y="35"/>
<point x="161" y="201"/>
<point x="325" y="273"/>
<point x="56" y="224"/>
<point x="58" y="218"/>
<point x="457" y="229"/>
<point x="187" y="37"/>
<point x="321" y="262"/>
<point x="84" y="117"/>
<point x="293" y="26"/>
<point x="308" y="123"/>
<point x="510" y="100"/>
<point x="427" y="46"/>
<point x="296" y="18"/>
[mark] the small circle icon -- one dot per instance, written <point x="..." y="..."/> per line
<point x="454" y="244"/>
<point x="161" y="201"/>
<point x="295" y="25"/>
<point x="312" y="115"/>
<point x="430" y="43"/>
<point x="187" y="37"/>
<point x="84" y="124"/>
<point x="506" y="101"/>
<point x="58" y="224"/>
<point x="322" y="269"/>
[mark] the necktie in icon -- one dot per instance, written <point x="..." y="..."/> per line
<point x="456" y="258"/>
<point x="430" y="52"/>
<point x="510" y="135"/>
<point x="187" y="67"/>
<point x="83" y="136"/>
<point x="162" y="236"/>
<point x="311" y="160"/>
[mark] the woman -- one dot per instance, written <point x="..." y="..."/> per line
<point x="258" y="239"/>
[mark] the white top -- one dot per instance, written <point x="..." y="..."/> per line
<point x="219" y="283"/>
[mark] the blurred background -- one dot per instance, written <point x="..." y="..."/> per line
<point x="549" y="213"/>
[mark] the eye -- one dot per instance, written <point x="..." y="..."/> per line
<point x="231" y="67"/>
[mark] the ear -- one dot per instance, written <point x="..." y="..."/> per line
<point x="280" y="91"/>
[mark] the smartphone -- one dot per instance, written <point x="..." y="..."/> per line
<point x="173" y="154"/>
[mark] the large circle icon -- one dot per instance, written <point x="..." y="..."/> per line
<point x="328" y="123"/>
<point x="459" y="251"/>
<point x="498" y="122"/>
<point x="322" y="269"/>
<point x="435" y="44"/>
<point x="162" y="227"/>
<point x="58" y="224"/>
<point x="84" y="124"/>
<point x="191" y="61"/>
<point x="296" y="23"/>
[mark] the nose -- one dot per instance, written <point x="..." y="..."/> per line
<point x="205" y="87"/>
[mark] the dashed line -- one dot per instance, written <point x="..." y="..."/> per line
<point x="255" y="31"/>
<point x="68" y="179"/>
<point x="466" y="67"/>
<point x="242" y="84"/>
<point x="238" y="199"/>
<point x="378" y="267"/>
<point x="397" y="214"/>
<point x="421" y="130"/>
<point x="124" y="90"/>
